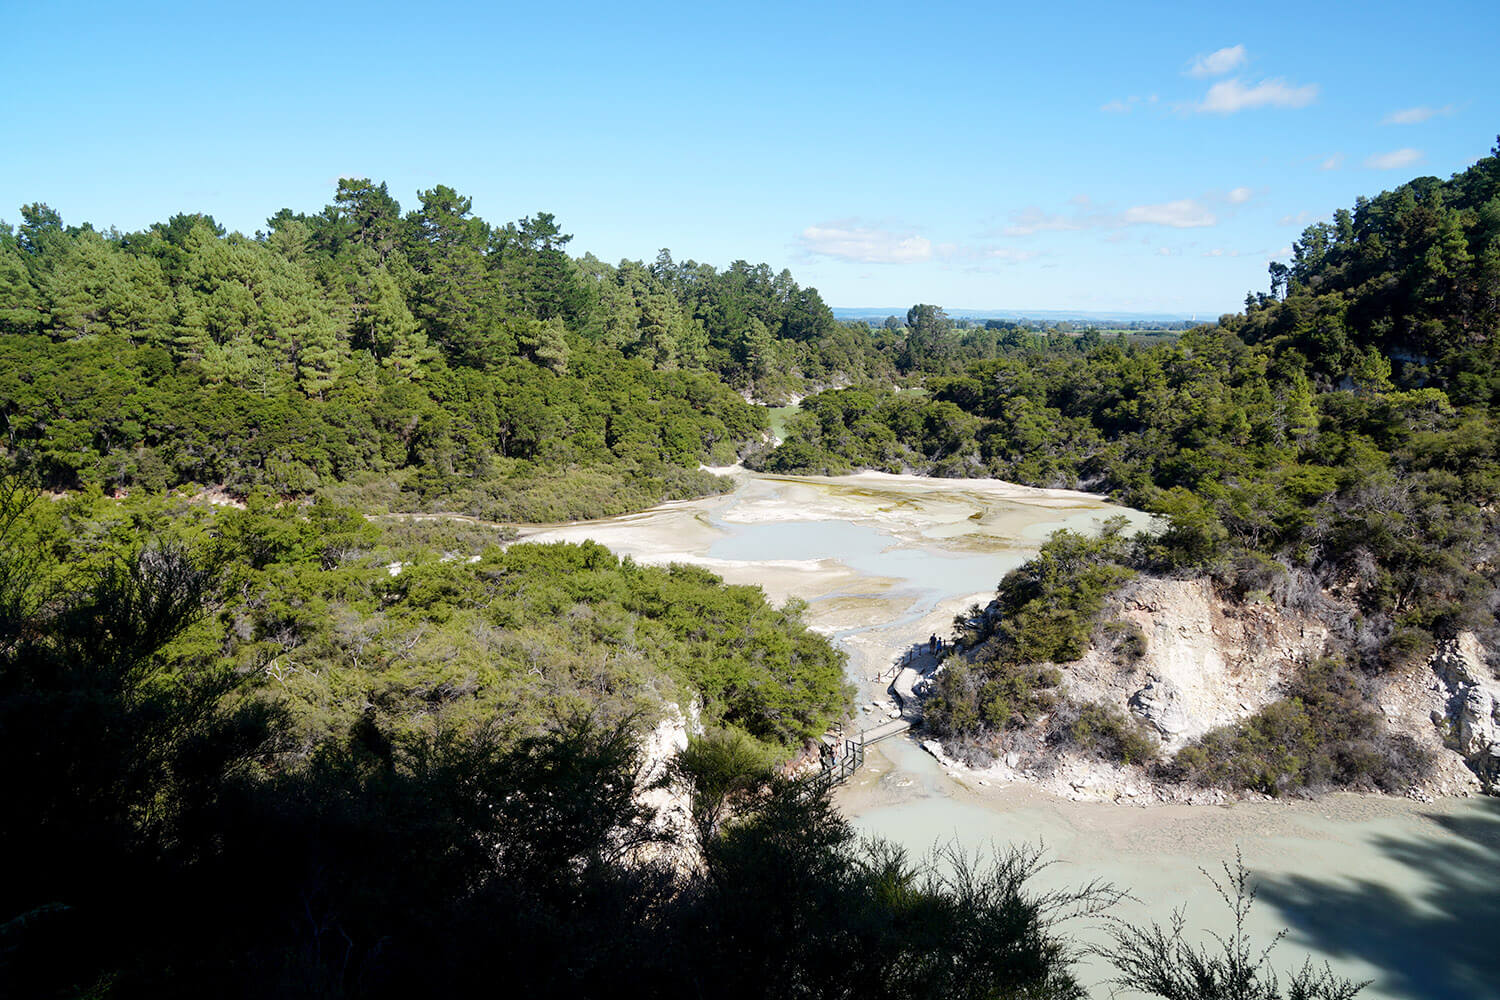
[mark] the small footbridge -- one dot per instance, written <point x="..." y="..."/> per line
<point x="843" y="756"/>
<point x="848" y="755"/>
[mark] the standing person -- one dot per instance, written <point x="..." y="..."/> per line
<point x="932" y="643"/>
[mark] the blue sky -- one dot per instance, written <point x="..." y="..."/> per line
<point x="1047" y="156"/>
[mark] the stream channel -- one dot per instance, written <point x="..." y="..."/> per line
<point x="1398" y="892"/>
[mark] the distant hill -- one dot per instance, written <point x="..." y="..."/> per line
<point x="1045" y="315"/>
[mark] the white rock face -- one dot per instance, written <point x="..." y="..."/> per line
<point x="1208" y="664"/>
<point x="1160" y="703"/>
<point x="1476" y="722"/>
<point x="673" y="805"/>
<point x="1205" y="665"/>
<point x="1472" y="695"/>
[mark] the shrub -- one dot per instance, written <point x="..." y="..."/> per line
<point x="1157" y="961"/>
<point x="1103" y="731"/>
<point x="969" y="701"/>
<point x="1048" y="606"/>
<point x="1322" y="734"/>
<point x="1125" y="638"/>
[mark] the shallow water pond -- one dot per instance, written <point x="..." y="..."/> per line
<point x="1393" y="891"/>
<point x="864" y="549"/>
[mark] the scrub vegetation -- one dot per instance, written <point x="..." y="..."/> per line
<point x="344" y="619"/>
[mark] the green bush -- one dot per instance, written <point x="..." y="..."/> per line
<point x="1322" y="734"/>
<point x="970" y="699"/>
<point x="1047" y="607"/>
<point x="1105" y="732"/>
<point x="1126" y="639"/>
<point x="309" y="603"/>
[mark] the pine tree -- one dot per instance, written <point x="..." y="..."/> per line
<point x="77" y="286"/>
<point x="453" y="298"/>
<point x="371" y="214"/>
<point x="544" y="342"/>
<point x="139" y="305"/>
<point x="21" y="307"/>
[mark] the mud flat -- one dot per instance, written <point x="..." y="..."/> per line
<point x="857" y="548"/>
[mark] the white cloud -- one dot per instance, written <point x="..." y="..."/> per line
<point x="1124" y="107"/>
<point x="1302" y="219"/>
<point x="1184" y="214"/>
<point x="1240" y="195"/>
<point x="1333" y="162"/>
<point x="1187" y="213"/>
<point x="1393" y="160"/>
<point x="1219" y="62"/>
<point x="1007" y="253"/>
<point x="1213" y="253"/>
<point x="1228" y="96"/>
<point x="1032" y="220"/>
<point x="870" y="246"/>
<point x="848" y="240"/>
<point x="1163" y="252"/>
<point x="1416" y="116"/>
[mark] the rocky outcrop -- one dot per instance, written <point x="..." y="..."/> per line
<point x="670" y="801"/>
<point x="1477" y="732"/>
<point x="1160" y="703"/>
<point x="1470" y="710"/>
<point x="1205" y="663"/>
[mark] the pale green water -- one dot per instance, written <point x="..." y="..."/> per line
<point x="1387" y="890"/>
<point x="867" y="550"/>
<point x="779" y="416"/>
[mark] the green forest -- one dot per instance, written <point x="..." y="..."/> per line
<point x="416" y="361"/>
<point x="304" y="744"/>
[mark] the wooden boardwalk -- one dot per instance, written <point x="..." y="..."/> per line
<point x="918" y="664"/>
<point x="885" y="731"/>
<point x="843" y="765"/>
